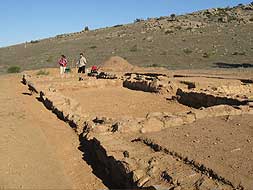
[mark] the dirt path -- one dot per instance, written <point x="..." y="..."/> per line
<point x="37" y="150"/>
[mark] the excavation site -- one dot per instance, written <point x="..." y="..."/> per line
<point x="134" y="95"/>
<point x="149" y="128"/>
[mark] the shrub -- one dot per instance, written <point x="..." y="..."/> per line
<point x="34" y="41"/>
<point x="178" y="27"/>
<point x="169" y="31"/>
<point x="172" y="15"/>
<point x="13" y="69"/>
<point x="93" y="47"/>
<point x="42" y="72"/>
<point x="138" y="20"/>
<point x="206" y="55"/>
<point x="86" y="28"/>
<point x="133" y="48"/>
<point x="251" y="19"/>
<point x="187" y="50"/>
<point x="239" y="53"/>
<point x="118" y="25"/>
<point x="154" y="65"/>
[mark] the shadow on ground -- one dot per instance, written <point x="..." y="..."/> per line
<point x="99" y="169"/>
<point x="232" y="65"/>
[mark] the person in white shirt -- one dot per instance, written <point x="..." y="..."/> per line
<point x="81" y="63"/>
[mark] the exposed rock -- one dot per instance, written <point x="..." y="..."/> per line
<point x="152" y="125"/>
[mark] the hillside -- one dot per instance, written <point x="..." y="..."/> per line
<point x="204" y="39"/>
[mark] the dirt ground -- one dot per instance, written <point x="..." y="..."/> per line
<point x="159" y="139"/>
<point x="223" y="144"/>
<point x="119" y="102"/>
<point x="37" y="150"/>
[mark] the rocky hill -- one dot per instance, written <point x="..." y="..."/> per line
<point x="213" y="38"/>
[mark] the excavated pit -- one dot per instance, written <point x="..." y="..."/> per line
<point x="107" y="139"/>
<point x="199" y="99"/>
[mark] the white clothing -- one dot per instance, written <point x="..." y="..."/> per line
<point x="62" y="70"/>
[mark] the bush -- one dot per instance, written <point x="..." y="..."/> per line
<point x="133" y="48"/>
<point x="138" y="20"/>
<point x="206" y="55"/>
<point x="42" y="72"/>
<point x="187" y="50"/>
<point x="93" y="47"/>
<point x="118" y="25"/>
<point x="172" y="15"/>
<point x="34" y="41"/>
<point x="13" y="69"/>
<point x="154" y="65"/>
<point x="86" y="28"/>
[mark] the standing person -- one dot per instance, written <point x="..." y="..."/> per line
<point x="63" y="64"/>
<point x="81" y="63"/>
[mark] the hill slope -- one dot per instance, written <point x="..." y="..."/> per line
<point x="193" y="41"/>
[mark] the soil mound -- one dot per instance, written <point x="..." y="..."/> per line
<point x="116" y="64"/>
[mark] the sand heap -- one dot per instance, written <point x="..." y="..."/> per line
<point x="116" y="64"/>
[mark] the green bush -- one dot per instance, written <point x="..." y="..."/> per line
<point x="42" y="72"/>
<point x="138" y="20"/>
<point x="154" y="65"/>
<point x="187" y="51"/>
<point x="86" y="28"/>
<point x="172" y="15"/>
<point x="206" y="55"/>
<point x="93" y="47"/>
<point x="34" y="41"/>
<point x="13" y="69"/>
<point x="134" y="48"/>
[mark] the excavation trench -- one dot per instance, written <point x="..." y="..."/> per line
<point x="113" y="172"/>
<point x="107" y="168"/>
<point x="198" y="99"/>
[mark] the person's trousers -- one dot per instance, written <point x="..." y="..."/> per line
<point x="62" y="70"/>
<point x="81" y="69"/>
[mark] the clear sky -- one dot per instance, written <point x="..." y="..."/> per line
<point x="26" y="20"/>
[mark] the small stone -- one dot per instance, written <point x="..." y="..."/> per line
<point x="142" y="181"/>
<point x="138" y="174"/>
<point x="126" y="154"/>
<point x="151" y="170"/>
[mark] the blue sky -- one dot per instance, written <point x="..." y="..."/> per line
<point x="26" y="20"/>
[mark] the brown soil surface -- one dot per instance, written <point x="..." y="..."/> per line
<point x="119" y="102"/>
<point x="37" y="150"/>
<point x="223" y="144"/>
<point x="116" y="64"/>
<point x="168" y="143"/>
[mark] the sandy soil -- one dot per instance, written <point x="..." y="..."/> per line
<point x="223" y="144"/>
<point x="120" y="102"/>
<point x="37" y="150"/>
